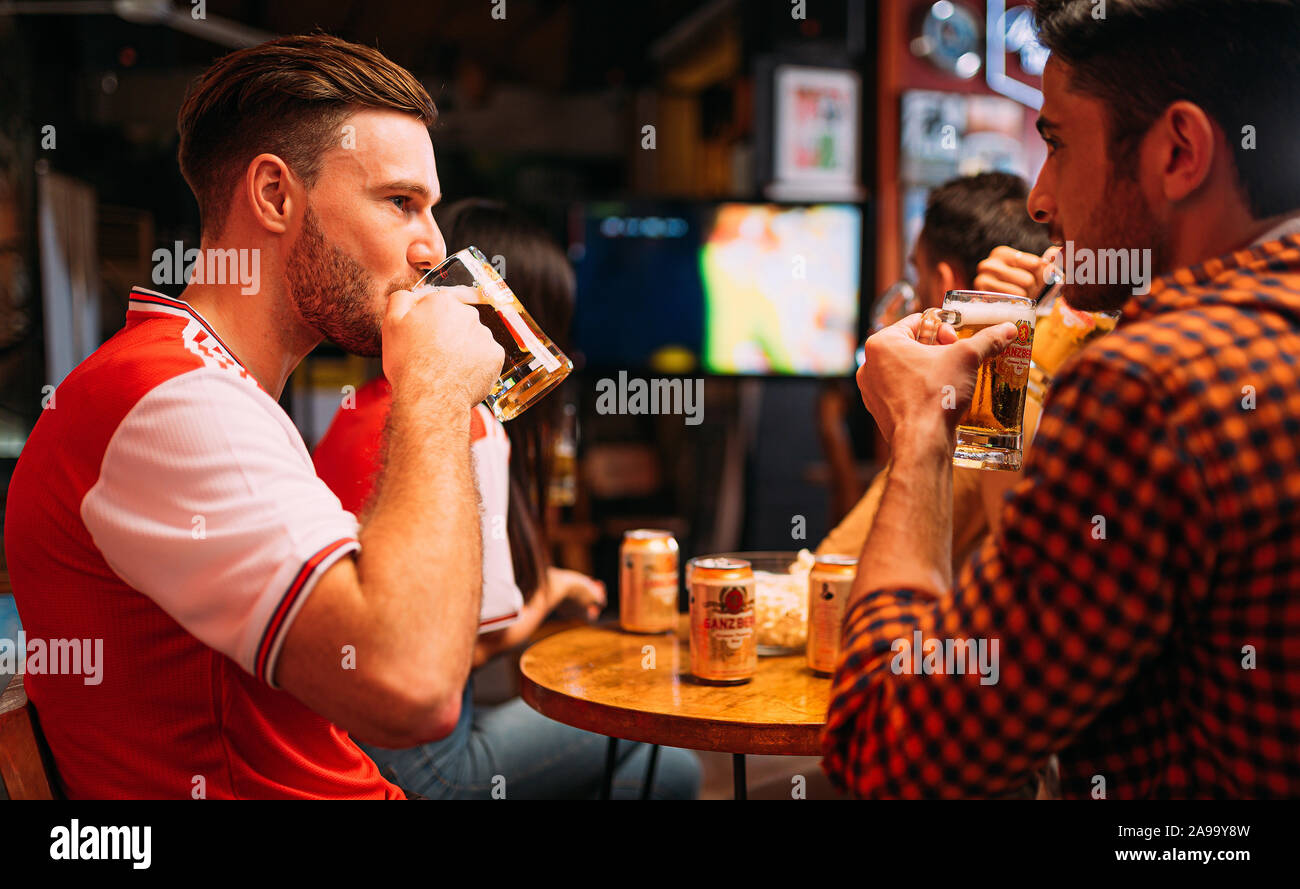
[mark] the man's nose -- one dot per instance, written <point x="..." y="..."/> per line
<point x="439" y="245"/>
<point x="429" y="249"/>
<point x="1040" y="205"/>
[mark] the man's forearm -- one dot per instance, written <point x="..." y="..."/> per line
<point x="910" y="542"/>
<point x="420" y="566"/>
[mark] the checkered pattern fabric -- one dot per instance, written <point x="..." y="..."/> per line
<point x="1144" y="593"/>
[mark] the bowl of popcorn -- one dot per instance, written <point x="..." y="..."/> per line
<point x="781" y="600"/>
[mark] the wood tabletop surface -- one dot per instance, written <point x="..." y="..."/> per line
<point x="599" y="678"/>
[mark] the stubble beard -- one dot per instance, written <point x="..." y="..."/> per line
<point x="334" y="294"/>
<point x="1122" y="220"/>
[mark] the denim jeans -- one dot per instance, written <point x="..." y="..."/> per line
<point x="513" y="748"/>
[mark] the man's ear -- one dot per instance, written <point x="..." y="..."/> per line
<point x="947" y="278"/>
<point x="270" y="189"/>
<point x="1184" y="144"/>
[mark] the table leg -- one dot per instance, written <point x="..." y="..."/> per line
<point x="738" y="775"/>
<point x="650" y="772"/>
<point x="611" y="757"/>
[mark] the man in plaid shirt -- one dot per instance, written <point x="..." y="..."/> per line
<point x="1140" y="605"/>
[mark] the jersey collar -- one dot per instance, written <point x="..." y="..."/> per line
<point x="144" y="303"/>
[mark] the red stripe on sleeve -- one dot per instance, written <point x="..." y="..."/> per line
<point x="286" y="605"/>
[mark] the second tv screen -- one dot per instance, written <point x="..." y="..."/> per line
<point x="731" y="288"/>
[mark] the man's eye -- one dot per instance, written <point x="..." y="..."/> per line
<point x="400" y="201"/>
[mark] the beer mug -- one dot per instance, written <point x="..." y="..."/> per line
<point x="990" y="433"/>
<point x="1062" y="330"/>
<point x="897" y="302"/>
<point x="533" y="364"/>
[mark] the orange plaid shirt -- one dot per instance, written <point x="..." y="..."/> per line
<point x="1145" y="589"/>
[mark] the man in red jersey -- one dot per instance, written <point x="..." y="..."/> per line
<point x="166" y="505"/>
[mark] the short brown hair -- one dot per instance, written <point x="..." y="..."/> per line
<point x="1238" y="60"/>
<point x="966" y="217"/>
<point x="285" y="97"/>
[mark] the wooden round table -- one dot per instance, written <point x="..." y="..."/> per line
<point x="639" y="688"/>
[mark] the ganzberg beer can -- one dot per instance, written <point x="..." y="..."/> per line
<point x="647" y="582"/>
<point x="829" y="584"/>
<point x="724" y="648"/>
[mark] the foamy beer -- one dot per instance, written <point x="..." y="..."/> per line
<point x="989" y="435"/>
<point x="533" y="364"/>
<point x="1061" y="331"/>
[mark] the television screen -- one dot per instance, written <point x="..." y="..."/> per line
<point x="731" y="288"/>
<point x="781" y="289"/>
<point x="640" y="301"/>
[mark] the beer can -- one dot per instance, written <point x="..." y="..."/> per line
<point x="647" y="581"/>
<point x="724" y="649"/>
<point x="829" y="585"/>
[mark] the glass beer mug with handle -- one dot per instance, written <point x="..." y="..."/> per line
<point x="1061" y="332"/>
<point x="533" y="364"/>
<point x="990" y="433"/>
<point x="897" y="302"/>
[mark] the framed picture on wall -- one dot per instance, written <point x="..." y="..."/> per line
<point x="953" y="134"/>
<point x="816" y="133"/>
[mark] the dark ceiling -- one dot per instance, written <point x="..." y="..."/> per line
<point x="566" y="44"/>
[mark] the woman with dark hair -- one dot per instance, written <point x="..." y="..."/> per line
<point x="540" y="275"/>
<point x="535" y="756"/>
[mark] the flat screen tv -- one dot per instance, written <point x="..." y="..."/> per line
<point x="722" y="288"/>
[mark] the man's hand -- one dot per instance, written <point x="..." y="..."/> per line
<point x="434" y="338"/>
<point x="411" y="598"/>
<point x="1007" y="270"/>
<point x="910" y="385"/>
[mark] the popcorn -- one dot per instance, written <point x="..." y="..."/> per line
<point x="781" y="607"/>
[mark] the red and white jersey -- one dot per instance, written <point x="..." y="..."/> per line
<point x="166" y="505"/>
